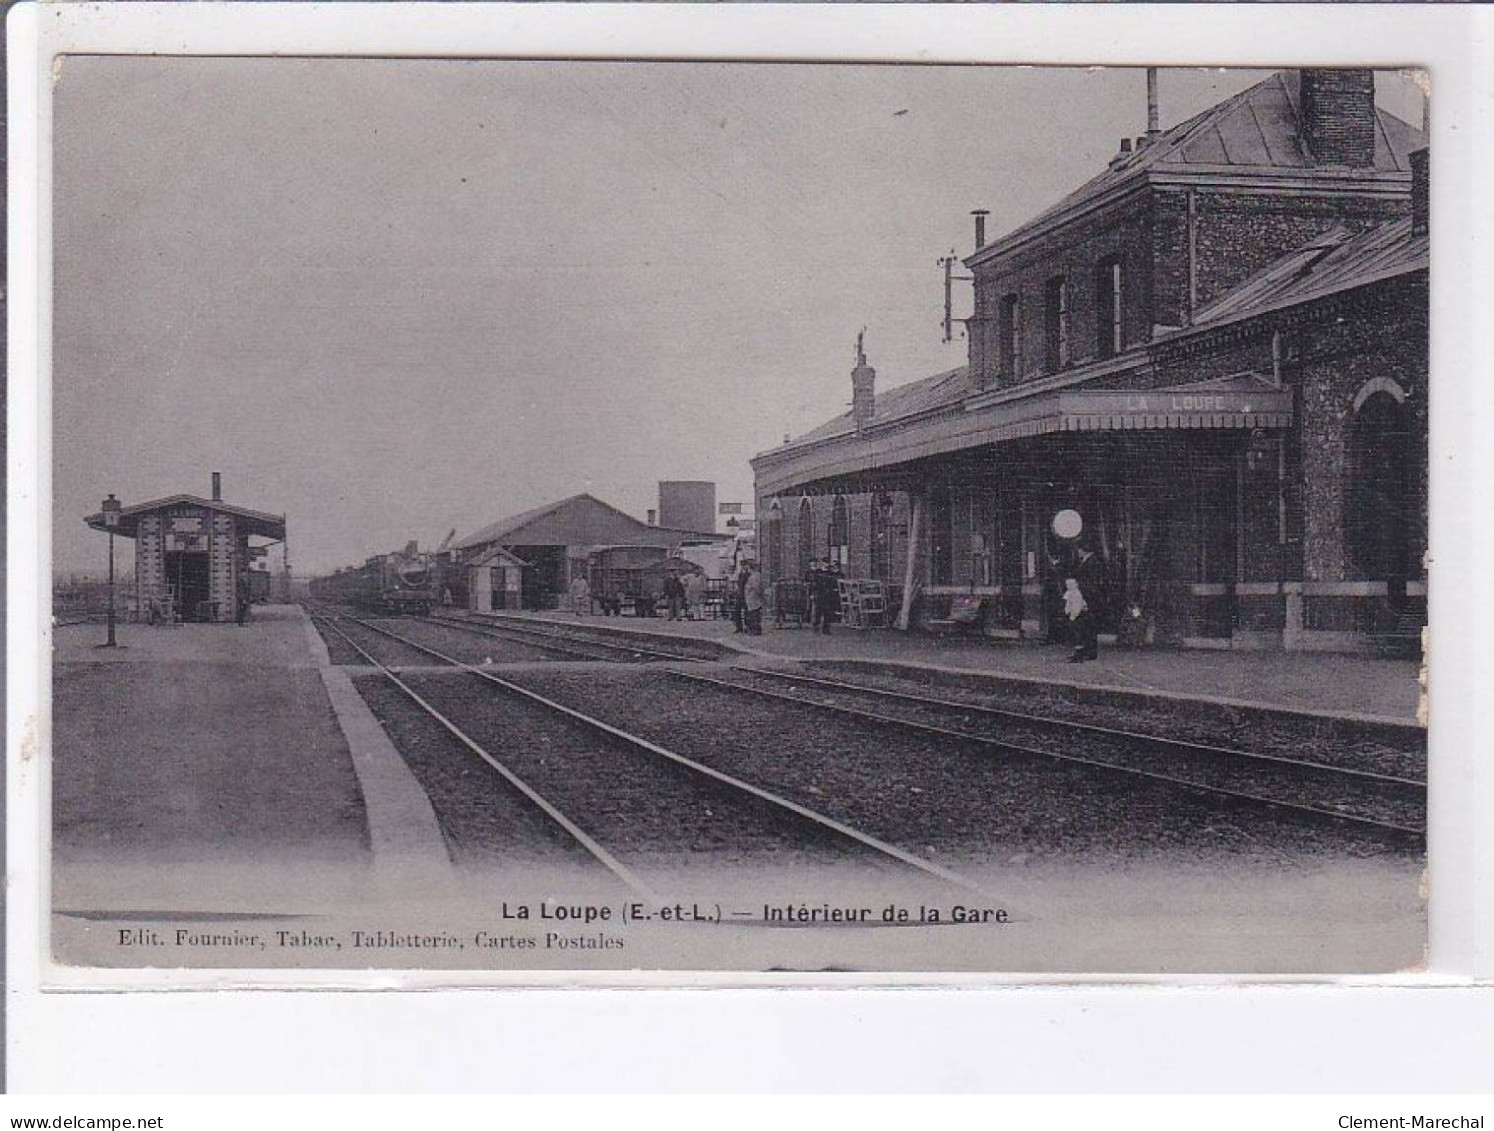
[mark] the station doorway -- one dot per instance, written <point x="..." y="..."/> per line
<point x="190" y="582"/>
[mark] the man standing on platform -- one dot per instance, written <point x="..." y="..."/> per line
<point x="826" y="596"/>
<point x="752" y="599"/>
<point x="739" y="586"/>
<point x="241" y="594"/>
<point x="1090" y="574"/>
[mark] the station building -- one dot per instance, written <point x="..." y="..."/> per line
<point x="1215" y="351"/>
<point x="554" y="540"/>
<point x="190" y="552"/>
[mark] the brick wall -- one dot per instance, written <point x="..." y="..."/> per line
<point x="1235" y="236"/>
<point x="1331" y="352"/>
<point x="1075" y="253"/>
<point x="1384" y="335"/>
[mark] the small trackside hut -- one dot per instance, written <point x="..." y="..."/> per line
<point x="495" y="581"/>
<point x="193" y="554"/>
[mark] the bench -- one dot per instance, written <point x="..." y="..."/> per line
<point x="965" y="614"/>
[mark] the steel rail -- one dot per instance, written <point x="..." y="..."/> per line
<point x="509" y="624"/>
<point x="1111" y="767"/>
<point x="1178" y="745"/>
<point x="544" y="641"/>
<point x="633" y="740"/>
<point x="602" y="856"/>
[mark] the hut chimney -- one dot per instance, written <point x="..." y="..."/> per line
<point x="217" y="486"/>
<point x="980" y="215"/>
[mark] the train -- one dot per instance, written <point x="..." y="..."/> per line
<point x="408" y="581"/>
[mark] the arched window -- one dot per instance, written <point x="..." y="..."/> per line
<point x="1377" y="495"/>
<point x="840" y="532"/>
<point x="775" y="548"/>
<point x="806" y="536"/>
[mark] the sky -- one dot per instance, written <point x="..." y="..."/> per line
<point x="393" y="298"/>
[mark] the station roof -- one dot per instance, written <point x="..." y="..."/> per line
<point x="579" y="520"/>
<point x="896" y="403"/>
<point x="1256" y="132"/>
<point x="1338" y="260"/>
<point x="254" y="523"/>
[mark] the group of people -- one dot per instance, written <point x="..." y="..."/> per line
<point x="747" y="609"/>
<point x="824" y="594"/>
<point x="685" y="596"/>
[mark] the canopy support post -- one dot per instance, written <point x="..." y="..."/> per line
<point x="905" y="613"/>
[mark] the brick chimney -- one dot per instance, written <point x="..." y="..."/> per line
<point x="1337" y="113"/>
<point x="1421" y="187"/>
<point x="863" y="387"/>
<point x="217" y="486"/>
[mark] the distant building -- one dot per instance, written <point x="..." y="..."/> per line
<point x="554" y="540"/>
<point x="1215" y="351"/>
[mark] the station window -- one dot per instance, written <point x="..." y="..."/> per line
<point x="1056" y="323"/>
<point x="1011" y="336"/>
<point x="806" y="536"/>
<point x="1109" y="327"/>
<point x="840" y="533"/>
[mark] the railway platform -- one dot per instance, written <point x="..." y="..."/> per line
<point x="1356" y="688"/>
<point x="208" y="770"/>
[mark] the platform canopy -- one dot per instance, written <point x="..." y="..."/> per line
<point x="252" y="523"/>
<point x="1242" y="401"/>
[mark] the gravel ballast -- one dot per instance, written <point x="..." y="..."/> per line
<point x="935" y="796"/>
<point x="1318" y="782"/>
<point x="647" y="811"/>
<point x="1364" y="746"/>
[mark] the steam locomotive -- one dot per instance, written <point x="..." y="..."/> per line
<point x="407" y="581"/>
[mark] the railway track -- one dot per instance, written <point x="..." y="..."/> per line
<point x="572" y="639"/>
<point x="588" y="647"/>
<point x="513" y="648"/>
<point x="716" y="780"/>
<point x="1385" y="803"/>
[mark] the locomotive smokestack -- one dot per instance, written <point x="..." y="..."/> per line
<point x="217" y="486"/>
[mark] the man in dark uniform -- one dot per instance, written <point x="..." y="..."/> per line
<point x="242" y="596"/>
<point x="826" y="596"/>
<point x="1089" y="572"/>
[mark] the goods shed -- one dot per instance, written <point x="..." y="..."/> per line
<point x="553" y="542"/>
